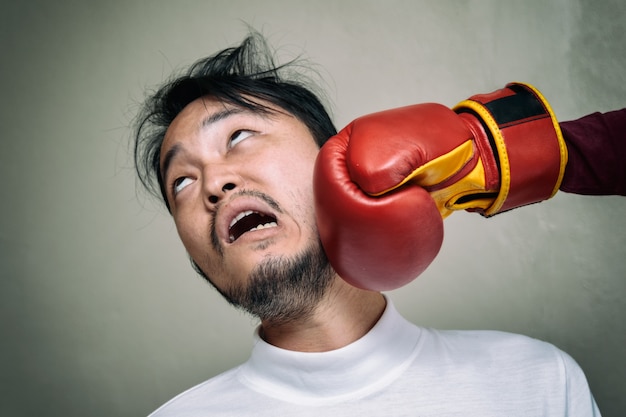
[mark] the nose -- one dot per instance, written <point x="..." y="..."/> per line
<point x="218" y="183"/>
<point x="214" y="199"/>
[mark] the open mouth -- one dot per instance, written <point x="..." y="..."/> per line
<point x="249" y="221"/>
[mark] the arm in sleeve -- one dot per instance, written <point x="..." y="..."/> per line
<point x="596" y="146"/>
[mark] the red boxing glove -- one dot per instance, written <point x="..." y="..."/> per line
<point x="374" y="243"/>
<point x="383" y="184"/>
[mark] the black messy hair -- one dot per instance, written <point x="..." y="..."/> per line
<point x="241" y="76"/>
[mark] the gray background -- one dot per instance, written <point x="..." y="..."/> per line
<point x="101" y="314"/>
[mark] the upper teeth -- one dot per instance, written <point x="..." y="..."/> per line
<point x="239" y="217"/>
<point x="247" y="213"/>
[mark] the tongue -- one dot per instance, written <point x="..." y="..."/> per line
<point x="248" y="223"/>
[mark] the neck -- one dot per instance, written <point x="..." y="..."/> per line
<point x="343" y="316"/>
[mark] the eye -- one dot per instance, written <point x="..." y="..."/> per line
<point x="240" y="135"/>
<point x="180" y="184"/>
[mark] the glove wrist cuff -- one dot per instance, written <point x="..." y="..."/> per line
<point x="526" y="141"/>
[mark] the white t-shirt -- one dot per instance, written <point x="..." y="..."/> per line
<point x="398" y="369"/>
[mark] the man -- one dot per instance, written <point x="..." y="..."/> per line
<point x="231" y="147"/>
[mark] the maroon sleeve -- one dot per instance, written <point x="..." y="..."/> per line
<point x="596" y="146"/>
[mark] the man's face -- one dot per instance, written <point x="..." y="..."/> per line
<point x="239" y="185"/>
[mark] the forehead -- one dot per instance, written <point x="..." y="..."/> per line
<point x="207" y="111"/>
<point x="195" y="115"/>
<point x="198" y="114"/>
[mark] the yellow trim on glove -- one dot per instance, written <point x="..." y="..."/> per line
<point x="439" y="169"/>
<point x="505" y="168"/>
<point x="472" y="184"/>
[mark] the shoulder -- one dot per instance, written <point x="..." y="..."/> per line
<point x="201" y="397"/>
<point x="506" y="357"/>
<point x="488" y="341"/>
<point x="498" y="351"/>
<point x="502" y="368"/>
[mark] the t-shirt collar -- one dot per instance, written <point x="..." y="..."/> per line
<point x="363" y="366"/>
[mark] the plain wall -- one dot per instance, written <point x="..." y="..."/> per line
<point x="100" y="311"/>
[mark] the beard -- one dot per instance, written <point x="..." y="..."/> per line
<point x="282" y="290"/>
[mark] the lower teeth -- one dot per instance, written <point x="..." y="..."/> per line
<point x="264" y="226"/>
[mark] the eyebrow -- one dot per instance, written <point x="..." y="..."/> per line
<point x="207" y="121"/>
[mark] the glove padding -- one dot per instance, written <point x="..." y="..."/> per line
<point x="374" y="243"/>
<point x="384" y="183"/>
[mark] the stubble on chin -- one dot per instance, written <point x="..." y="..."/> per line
<point x="279" y="289"/>
<point x="282" y="290"/>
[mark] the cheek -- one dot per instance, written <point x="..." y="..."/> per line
<point x="199" y="247"/>
<point x="288" y="167"/>
<point x="301" y="162"/>
<point x="302" y="194"/>
<point x="190" y="232"/>
<point x="297" y="175"/>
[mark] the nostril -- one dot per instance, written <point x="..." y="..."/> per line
<point x="213" y="199"/>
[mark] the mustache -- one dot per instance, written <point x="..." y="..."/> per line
<point x="215" y="241"/>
